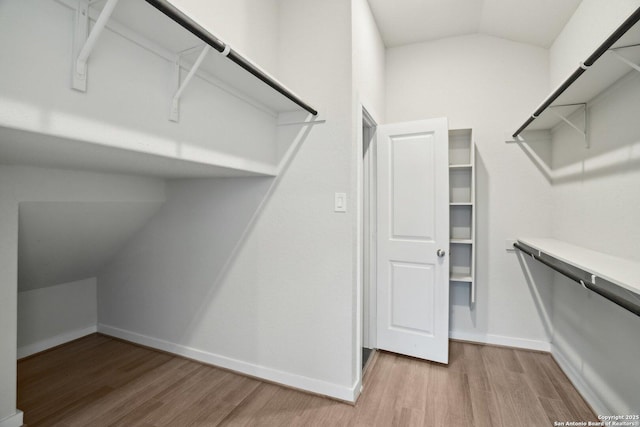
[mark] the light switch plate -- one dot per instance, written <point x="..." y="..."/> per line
<point x="340" y="203"/>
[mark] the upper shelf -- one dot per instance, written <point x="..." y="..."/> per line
<point x="595" y="74"/>
<point x="19" y="147"/>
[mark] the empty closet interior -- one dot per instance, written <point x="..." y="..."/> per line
<point x="213" y="181"/>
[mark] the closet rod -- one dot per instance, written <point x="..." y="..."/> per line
<point x="190" y="25"/>
<point x="628" y="305"/>
<point x="606" y="45"/>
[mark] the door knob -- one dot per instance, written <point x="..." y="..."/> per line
<point x="440" y="253"/>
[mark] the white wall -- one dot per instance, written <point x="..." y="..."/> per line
<point x="257" y="274"/>
<point x="590" y="25"/>
<point x="368" y="61"/>
<point x="51" y="316"/>
<point x="322" y="68"/>
<point x="21" y="184"/>
<point x="61" y="242"/>
<point x="490" y="85"/>
<point x="597" y="205"/>
<point x="249" y="26"/>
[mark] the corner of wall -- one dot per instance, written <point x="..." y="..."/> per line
<point x="55" y="315"/>
<point x="578" y="382"/>
<point x="299" y="382"/>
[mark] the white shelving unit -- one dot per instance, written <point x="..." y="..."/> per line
<point x="462" y="208"/>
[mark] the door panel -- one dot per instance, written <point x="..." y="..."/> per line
<point x="413" y="223"/>
<point x="411" y="288"/>
<point x="412" y="217"/>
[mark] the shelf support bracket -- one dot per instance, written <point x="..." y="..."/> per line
<point x="625" y="60"/>
<point x="84" y="42"/>
<point x="583" y="131"/>
<point x="174" y="112"/>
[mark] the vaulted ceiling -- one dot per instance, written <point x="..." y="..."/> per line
<point x="536" y="22"/>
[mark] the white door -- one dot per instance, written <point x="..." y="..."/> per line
<point x="413" y="239"/>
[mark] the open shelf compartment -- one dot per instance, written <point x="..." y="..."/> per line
<point x="461" y="209"/>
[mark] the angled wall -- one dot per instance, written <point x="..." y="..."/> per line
<point x="28" y="184"/>
<point x="254" y="274"/>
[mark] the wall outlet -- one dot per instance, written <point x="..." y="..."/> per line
<point x="509" y="244"/>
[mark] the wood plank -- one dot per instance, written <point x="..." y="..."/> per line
<point x="536" y="375"/>
<point x="485" y="407"/>
<point x="475" y="369"/>
<point x="99" y="381"/>
<point x="134" y="395"/>
<point x="555" y="410"/>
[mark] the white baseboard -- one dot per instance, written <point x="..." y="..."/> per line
<point x="312" y="385"/>
<point x="48" y="343"/>
<point x="576" y="379"/>
<point x="501" y="340"/>
<point x="14" y="420"/>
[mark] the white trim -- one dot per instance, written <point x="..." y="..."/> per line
<point x="501" y="340"/>
<point x="312" y="385"/>
<point x="14" y="420"/>
<point x="54" y="341"/>
<point x="578" y="382"/>
<point x="357" y="389"/>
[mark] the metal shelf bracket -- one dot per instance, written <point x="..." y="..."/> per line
<point x="84" y="41"/>
<point x="174" y="111"/>
<point x="623" y="59"/>
<point x="582" y="131"/>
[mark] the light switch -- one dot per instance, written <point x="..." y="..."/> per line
<point x="340" y="204"/>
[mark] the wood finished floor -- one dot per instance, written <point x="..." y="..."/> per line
<point x="99" y="381"/>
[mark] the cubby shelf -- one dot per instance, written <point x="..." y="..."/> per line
<point x="460" y="278"/>
<point x="461" y="241"/>
<point x="461" y="209"/>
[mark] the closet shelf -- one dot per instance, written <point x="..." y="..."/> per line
<point x="461" y="241"/>
<point x="596" y="271"/>
<point x="465" y="278"/>
<point x="461" y="204"/>
<point x="161" y="28"/>
<point x="20" y="147"/>
<point x="598" y="72"/>
<point x="460" y="166"/>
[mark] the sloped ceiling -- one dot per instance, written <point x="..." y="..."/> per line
<point x="61" y="242"/>
<point x="535" y="22"/>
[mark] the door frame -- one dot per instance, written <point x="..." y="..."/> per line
<point x="365" y="120"/>
<point x="368" y="231"/>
